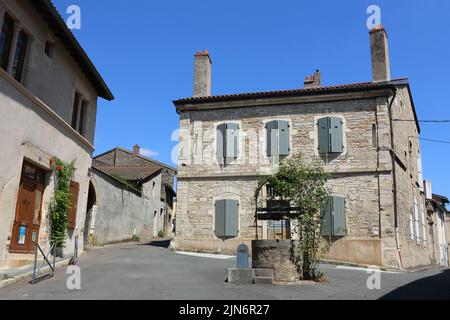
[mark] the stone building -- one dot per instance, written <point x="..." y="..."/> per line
<point x="132" y="196"/>
<point x="48" y="105"/>
<point x="438" y="229"/>
<point x="366" y="135"/>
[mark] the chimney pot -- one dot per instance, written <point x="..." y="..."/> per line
<point x="381" y="67"/>
<point x="136" y="150"/>
<point x="314" y="80"/>
<point x="202" y="74"/>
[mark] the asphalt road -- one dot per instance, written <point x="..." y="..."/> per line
<point x="145" y="272"/>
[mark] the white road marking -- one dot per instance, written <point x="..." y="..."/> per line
<point x="206" y="255"/>
<point x="363" y="269"/>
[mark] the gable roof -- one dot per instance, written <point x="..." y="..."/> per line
<point x="129" y="173"/>
<point x="56" y="23"/>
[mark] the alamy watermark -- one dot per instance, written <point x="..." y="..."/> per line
<point x="374" y="19"/>
<point x="73" y="21"/>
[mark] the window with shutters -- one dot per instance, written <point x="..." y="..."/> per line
<point x="330" y="135"/>
<point x="277" y="138"/>
<point x="416" y="221"/>
<point x="334" y="221"/>
<point x="424" y="224"/>
<point x="227" y="143"/>
<point x="226" y="219"/>
<point x="72" y="215"/>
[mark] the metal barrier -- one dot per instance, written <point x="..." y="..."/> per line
<point x="52" y="265"/>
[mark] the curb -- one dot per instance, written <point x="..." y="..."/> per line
<point x="358" y="265"/>
<point x="29" y="274"/>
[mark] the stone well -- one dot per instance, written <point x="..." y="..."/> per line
<point x="276" y="255"/>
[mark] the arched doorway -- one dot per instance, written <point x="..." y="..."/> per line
<point x="91" y="210"/>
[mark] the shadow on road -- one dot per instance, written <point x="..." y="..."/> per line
<point x="164" y="243"/>
<point x="434" y="287"/>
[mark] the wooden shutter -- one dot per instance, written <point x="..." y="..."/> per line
<point x="324" y="135"/>
<point x="220" y="219"/>
<point x="270" y="129"/>
<point x="283" y="136"/>
<point x="336" y="135"/>
<point x="232" y="142"/>
<point x="72" y="214"/>
<point x="221" y="135"/>
<point x="326" y="227"/>
<point x="231" y="218"/>
<point x="339" y="218"/>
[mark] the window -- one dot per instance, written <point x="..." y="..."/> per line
<point x="226" y="219"/>
<point x="416" y="221"/>
<point x="334" y="218"/>
<point x="419" y="172"/>
<point x="6" y="40"/>
<point x="20" y="55"/>
<point x="227" y="142"/>
<point x="330" y="135"/>
<point x="76" y="106"/>
<point x="49" y="49"/>
<point x="424" y="225"/>
<point x="411" y="225"/>
<point x="277" y="138"/>
<point x="374" y="136"/>
<point x="82" y="121"/>
<point x="72" y="216"/>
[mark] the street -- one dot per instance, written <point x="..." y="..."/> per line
<point x="146" y="272"/>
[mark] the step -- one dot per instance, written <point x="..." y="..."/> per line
<point x="263" y="280"/>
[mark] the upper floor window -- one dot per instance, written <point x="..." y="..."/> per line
<point x="227" y="142"/>
<point x="79" y="113"/>
<point x="330" y="135"/>
<point x="277" y="137"/>
<point x="6" y="40"/>
<point x="49" y="47"/>
<point x="20" y="55"/>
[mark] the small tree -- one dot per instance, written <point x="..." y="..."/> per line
<point x="302" y="184"/>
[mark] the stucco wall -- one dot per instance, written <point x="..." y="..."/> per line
<point x="121" y="212"/>
<point x="28" y="129"/>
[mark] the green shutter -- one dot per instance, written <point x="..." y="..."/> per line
<point x="270" y="130"/>
<point x="232" y="142"/>
<point x="283" y="136"/>
<point x="339" y="219"/>
<point x="221" y="135"/>
<point x="220" y="219"/>
<point x="231" y="218"/>
<point x="326" y="227"/>
<point x="337" y="136"/>
<point x="324" y="135"/>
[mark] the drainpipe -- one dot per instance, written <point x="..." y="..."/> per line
<point x="394" y="180"/>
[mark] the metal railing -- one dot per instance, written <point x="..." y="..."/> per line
<point x="52" y="265"/>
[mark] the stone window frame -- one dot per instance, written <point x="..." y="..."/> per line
<point x="345" y="131"/>
<point x="241" y="152"/>
<point x="213" y="213"/>
<point x="263" y="137"/>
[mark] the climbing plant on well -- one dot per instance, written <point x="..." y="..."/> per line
<point x="302" y="184"/>
<point x="61" y="201"/>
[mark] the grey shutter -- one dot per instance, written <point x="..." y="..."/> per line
<point x="283" y="136"/>
<point x="337" y="136"/>
<point x="232" y="142"/>
<point x="231" y="218"/>
<point x="324" y="135"/>
<point x="270" y="130"/>
<point x="326" y="227"/>
<point x="220" y="219"/>
<point x="221" y="135"/>
<point x="339" y="219"/>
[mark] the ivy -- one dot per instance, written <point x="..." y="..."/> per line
<point x="61" y="201"/>
<point x="302" y="184"/>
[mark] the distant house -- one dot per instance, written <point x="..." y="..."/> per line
<point x="439" y="229"/>
<point x="130" y="196"/>
<point x="48" y="105"/>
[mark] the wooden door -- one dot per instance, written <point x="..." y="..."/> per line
<point x="28" y="211"/>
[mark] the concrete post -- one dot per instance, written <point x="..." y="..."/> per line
<point x="202" y="74"/>
<point x="17" y="28"/>
<point x="381" y="67"/>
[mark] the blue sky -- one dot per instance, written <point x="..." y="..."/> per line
<point x="144" y="50"/>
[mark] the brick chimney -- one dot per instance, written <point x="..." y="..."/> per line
<point x="314" y="80"/>
<point x="202" y="74"/>
<point x="136" y="150"/>
<point x="381" y="66"/>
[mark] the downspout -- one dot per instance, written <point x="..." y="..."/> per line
<point x="394" y="176"/>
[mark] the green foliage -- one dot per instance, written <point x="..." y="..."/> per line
<point x="161" y="234"/>
<point x="61" y="202"/>
<point x="303" y="185"/>
<point x="135" y="238"/>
